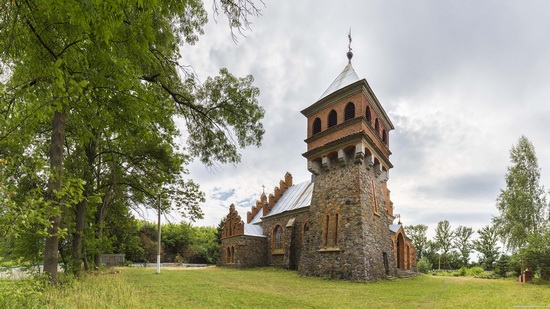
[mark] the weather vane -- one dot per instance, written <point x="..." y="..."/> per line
<point x="349" y="54"/>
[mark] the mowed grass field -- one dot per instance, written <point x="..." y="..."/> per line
<point x="215" y="287"/>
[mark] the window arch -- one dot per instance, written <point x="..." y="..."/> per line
<point x="330" y="232"/>
<point x="316" y="125"/>
<point x="305" y="229"/>
<point x="377" y="126"/>
<point x="278" y="238"/>
<point x="332" y="118"/>
<point x="327" y="231"/>
<point x="335" y="233"/>
<point x="228" y="256"/>
<point x="349" y="111"/>
<point x="367" y="115"/>
<point x="384" y="136"/>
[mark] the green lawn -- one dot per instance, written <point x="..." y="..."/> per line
<point x="276" y="288"/>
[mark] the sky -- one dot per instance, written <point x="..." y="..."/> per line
<point x="461" y="81"/>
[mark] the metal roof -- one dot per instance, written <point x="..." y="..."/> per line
<point x="257" y="218"/>
<point x="347" y="77"/>
<point x="295" y="197"/>
<point x="395" y="227"/>
<point x="253" y="230"/>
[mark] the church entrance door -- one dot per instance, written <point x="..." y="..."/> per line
<point x="400" y="251"/>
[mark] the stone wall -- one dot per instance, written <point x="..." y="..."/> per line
<point x="249" y="251"/>
<point x="362" y="237"/>
<point x="292" y="237"/>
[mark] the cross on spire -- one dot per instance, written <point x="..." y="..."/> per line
<point x="349" y="54"/>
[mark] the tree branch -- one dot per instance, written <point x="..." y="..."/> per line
<point x="40" y="40"/>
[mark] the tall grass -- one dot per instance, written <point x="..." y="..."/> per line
<point x="277" y="288"/>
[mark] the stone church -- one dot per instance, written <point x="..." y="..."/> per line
<point x="339" y="224"/>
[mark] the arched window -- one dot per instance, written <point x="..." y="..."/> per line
<point x="232" y="255"/>
<point x="335" y="234"/>
<point x="349" y="112"/>
<point x="316" y="125"/>
<point x="278" y="238"/>
<point x="332" y="118"/>
<point x="330" y="232"/>
<point x="367" y="114"/>
<point x="228" y="256"/>
<point x="384" y="136"/>
<point x="376" y="126"/>
<point x="327" y="221"/>
<point x="305" y="229"/>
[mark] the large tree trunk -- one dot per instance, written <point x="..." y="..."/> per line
<point x="51" y="249"/>
<point x="90" y="150"/>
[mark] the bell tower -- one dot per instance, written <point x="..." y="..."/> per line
<point x="348" y="152"/>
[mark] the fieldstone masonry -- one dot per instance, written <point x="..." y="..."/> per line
<point x="362" y="234"/>
<point x="339" y="224"/>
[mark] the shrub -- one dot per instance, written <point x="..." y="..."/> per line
<point x="474" y="271"/>
<point x="423" y="265"/>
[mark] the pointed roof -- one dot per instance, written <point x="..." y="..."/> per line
<point x="347" y="77"/>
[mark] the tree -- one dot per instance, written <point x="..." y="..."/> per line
<point x="522" y="204"/>
<point x="462" y="243"/>
<point x="536" y="255"/>
<point x="431" y="254"/>
<point x="417" y="233"/>
<point x="82" y="69"/>
<point x="486" y="245"/>
<point x="443" y="240"/>
<point x="502" y="265"/>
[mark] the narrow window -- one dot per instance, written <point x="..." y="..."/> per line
<point x="376" y="126"/>
<point x="349" y="112"/>
<point x="232" y="255"/>
<point x="367" y="114"/>
<point x="278" y="237"/>
<point x="305" y="230"/>
<point x="384" y="137"/>
<point x="228" y="256"/>
<point x="316" y="125"/>
<point x="332" y="118"/>
<point x="335" y="242"/>
<point x="326" y="231"/>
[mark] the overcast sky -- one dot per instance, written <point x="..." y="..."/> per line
<point x="460" y="80"/>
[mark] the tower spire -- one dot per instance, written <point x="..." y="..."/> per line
<point x="349" y="54"/>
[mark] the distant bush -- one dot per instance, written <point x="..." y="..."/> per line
<point x="423" y="265"/>
<point x="474" y="271"/>
<point x="460" y="272"/>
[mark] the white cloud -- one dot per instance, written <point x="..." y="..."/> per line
<point x="462" y="81"/>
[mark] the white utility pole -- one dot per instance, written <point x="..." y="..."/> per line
<point x="158" y="240"/>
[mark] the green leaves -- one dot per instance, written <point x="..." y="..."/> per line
<point x="417" y="233"/>
<point x="486" y="244"/>
<point x="522" y="204"/>
<point x="104" y="79"/>
<point x="228" y="116"/>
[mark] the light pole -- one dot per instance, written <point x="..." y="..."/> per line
<point x="158" y="240"/>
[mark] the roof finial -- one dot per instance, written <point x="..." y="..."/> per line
<point x="350" y="54"/>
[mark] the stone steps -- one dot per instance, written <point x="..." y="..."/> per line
<point x="406" y="273"/>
